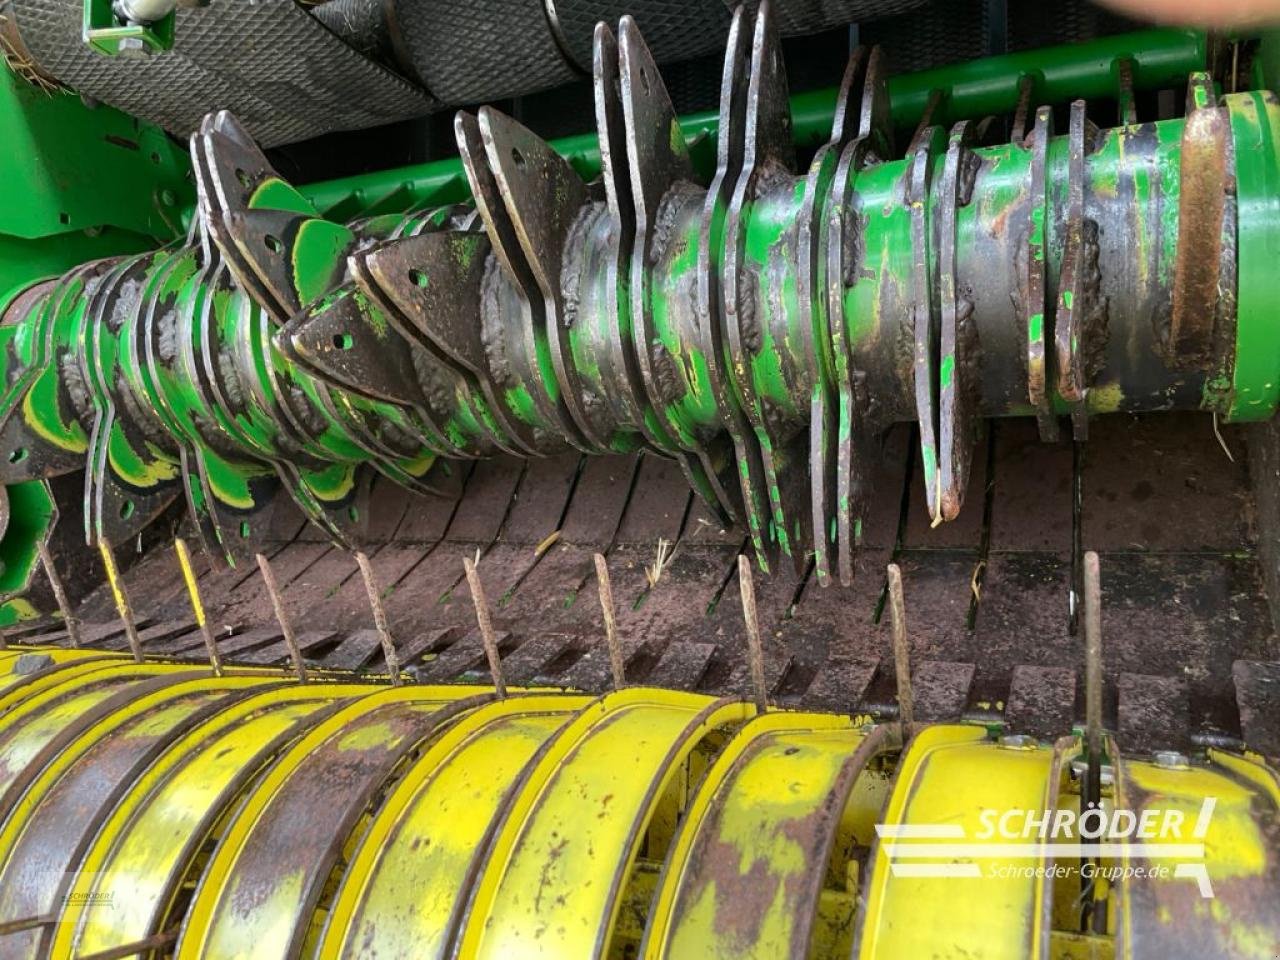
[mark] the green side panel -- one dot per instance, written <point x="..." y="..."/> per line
<point x="31" y="517"/>
<point x="66" y="167"/>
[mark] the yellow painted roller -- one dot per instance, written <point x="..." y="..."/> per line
<point x="19" y="665"/>
<point x="430" y="837"/>
<point x="44" y="828"/>
<point x="156" y="809"/>
<point x="42" y="717"/>
<point x="27" y="670"/>
<point x="947" y="778"/>
<point x="154" y="834"/>
<point x="748" y="863"/>
<point x="262" y="886"/>
<point x="582" y="814"/>
<point x="1230" y="805"/>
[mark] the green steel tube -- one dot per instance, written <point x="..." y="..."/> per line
<point x="1158" y="58"/>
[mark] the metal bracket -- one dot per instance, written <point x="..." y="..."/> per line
<point x="1031" y="300"/>
<point x="647" y="160"/>
<point x="1080" y="322"/>
<point x="111" y="36"/>
<point x="958" y="337"/>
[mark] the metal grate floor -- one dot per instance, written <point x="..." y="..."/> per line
<point x="986" y="596"/>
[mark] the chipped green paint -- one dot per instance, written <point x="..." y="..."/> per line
<point x="31" y="515"/>
<point x="318" y="255"/>
<point x="1035" y="327"/>
<point x="770" y="256"/>
<point x="675" y="138"/>
<point x="275" y="194"/>
<point x="41" y="411"/>
<point x="137" y="471"/>
<point x="520" y="402"/>
<point x="696" y="406"/>
<point x="377" y="319"/>
<point x="929" y="464"/>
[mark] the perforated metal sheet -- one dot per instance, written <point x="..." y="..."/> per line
<point x="673" y="29"/>
<point x="480" y="50"/>
<point x="280" y="71"/>
<point x="680" y="29"/>
<point x="796" y="17"/>
<point x="362" y="24"/>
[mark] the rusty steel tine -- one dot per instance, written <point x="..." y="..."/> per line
<point x="4" y="639"/>
<point x="24" y="924"/>
<point x="1035" y="315"/>
<point x="380" y="618"/>
<point x="282" y="617"/>
<point x="754" y="648"/>
<point x="121" y="598"/>
<point x="923" y="319"/>
<point x="197" y="606"/>
<point x="60" y="595"/>
<point x="1018" y="131"/>
<point x="957" y="390"/>
<point x="1093" y="909"/>
<point x="486" y="627"/>
<point x="616" y="663"/>
<point x="901" y="650"/>
<point x="1127" y="107"/>
<point x="137" y="948"/>
<point x="926" y="120"/>
<point x="1093" y="654"/>
<point x="1077" y="537"/>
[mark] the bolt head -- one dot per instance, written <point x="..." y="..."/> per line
<point x="134" y="48"/>
<point x="1171" y="760"/>
<point x="1017" y="741"/>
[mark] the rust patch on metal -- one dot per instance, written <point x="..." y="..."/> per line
<point x="1171" y="918"/>
<point x="744" y="898"/>
<point x="1201" y="209"/>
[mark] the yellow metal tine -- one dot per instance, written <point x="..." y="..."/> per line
<point x="121" y="598"/>
<point x="486" y="627"/>
<point x="197" y="607"/>
<point x="380" y="619"/>
<point x="282" y="617"/>
<point x="60" y="594"/>
<point x="901" y="650"/>
<point x="616" y="663"/>
<point x="755" y="650"/>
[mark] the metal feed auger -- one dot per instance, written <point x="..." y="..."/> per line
<point x="762" y="330"/>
